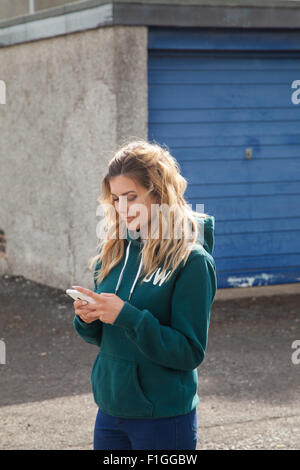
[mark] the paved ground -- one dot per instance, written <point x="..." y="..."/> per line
<point x="249" y="387"/>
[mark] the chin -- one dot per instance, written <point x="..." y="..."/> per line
<point x="132" y="225"/>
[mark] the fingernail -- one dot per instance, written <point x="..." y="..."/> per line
<point x="84" y="302"/>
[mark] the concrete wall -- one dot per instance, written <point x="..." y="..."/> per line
<point x="11" y="8"/>
<point x="70" y="100"/>
<point x="43" y="4"/>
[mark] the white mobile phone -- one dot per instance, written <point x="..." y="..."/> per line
<point x="75" y="294"/>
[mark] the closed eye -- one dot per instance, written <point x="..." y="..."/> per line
<point x="132" y="198"/>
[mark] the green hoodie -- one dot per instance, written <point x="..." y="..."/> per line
<point x="148" y="358"/>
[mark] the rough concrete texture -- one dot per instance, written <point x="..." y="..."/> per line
<point x="249" y="387"/>
<point x="12" y="8"/>
<point x="43" y="4"/>
<point x="70" y="101"/>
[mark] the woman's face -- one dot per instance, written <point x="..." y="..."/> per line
<point x="131" y="201"/>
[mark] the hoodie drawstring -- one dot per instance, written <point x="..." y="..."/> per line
<point x="121" y="273"/>
<point x="136" y="278"/>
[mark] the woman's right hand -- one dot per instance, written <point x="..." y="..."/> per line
<point x="82" y="307"/>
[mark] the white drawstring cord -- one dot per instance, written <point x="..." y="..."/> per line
<point x="136" y="277"/>
<point x="121" y="274"/>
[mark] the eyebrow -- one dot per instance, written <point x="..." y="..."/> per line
<point x="124" y="194"/>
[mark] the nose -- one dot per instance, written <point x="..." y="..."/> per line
<point x="123" y="206"/>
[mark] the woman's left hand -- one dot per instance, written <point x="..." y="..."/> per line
<point x="106" y="308"/>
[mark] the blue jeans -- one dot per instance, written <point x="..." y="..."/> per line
<point x="175" y="432"/>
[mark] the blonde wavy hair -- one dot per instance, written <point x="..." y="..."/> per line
<point x="154" y="168"/>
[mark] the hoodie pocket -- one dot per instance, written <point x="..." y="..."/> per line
<point x="116" y="387"/>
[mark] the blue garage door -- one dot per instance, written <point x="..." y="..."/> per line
<point x="222" y="103"/>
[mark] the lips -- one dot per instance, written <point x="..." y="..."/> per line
<point x="129" y="219"/>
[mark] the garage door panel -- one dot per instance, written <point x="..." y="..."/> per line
<point x="176" y="60"/>
<point x="272" y="223"/>
<point x="232" y="115"/>
<point x="242" y="208"/>
<point x="245" y="129"/>
<point x="264" y="261"/>
<point x="259" y="277"/>
<point x="237" y="152"/>
<point x="223" y="77"/>
<point x="257" y="243"/>
<point x="210" y="95"/>
<point x="243" y="172"/>
<point x="224" y="140"/>
<point x="237" y="190"/>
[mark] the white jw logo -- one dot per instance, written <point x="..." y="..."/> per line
<point x="158" y="277"/>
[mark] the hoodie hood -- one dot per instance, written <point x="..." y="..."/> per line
<point x="205" y="238"/>
<point x="206" y="228"/>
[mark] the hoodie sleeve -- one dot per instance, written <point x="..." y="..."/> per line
<point x="181" y="345"/>
<point x="90" y="332"/>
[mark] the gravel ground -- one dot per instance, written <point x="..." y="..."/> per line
<point x="249" y="388"/>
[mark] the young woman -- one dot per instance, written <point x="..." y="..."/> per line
<point x="153" y="292"/>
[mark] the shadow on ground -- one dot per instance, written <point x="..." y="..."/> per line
<point x="248" y="356"/>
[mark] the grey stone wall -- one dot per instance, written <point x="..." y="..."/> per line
<point x="70" y="100"/>
<point x="12" y="8"/>
<point x="44" y="4"/>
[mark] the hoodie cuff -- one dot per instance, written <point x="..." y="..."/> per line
<point x="82" y="324"/>
<point x="129" y="316"/>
